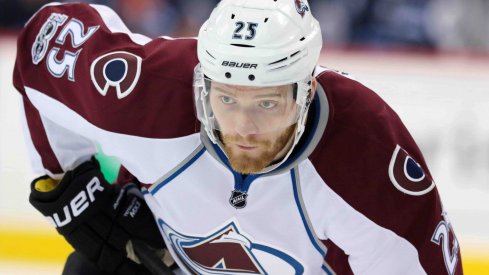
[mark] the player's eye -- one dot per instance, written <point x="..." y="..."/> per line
<point x="227" y="100"/>
<point x="268" y="104"/>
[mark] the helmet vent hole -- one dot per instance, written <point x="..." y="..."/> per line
<point x="232" y="16"/>
<point x="303" y="38"/>
<point x="292" y="55"/>
<point x="278" y="61"/>
<point x="278" y="68"/>
<point x="266" y="20"/>
<point x="228" y="75"/>
<point x="251" y="77"/>
<point x="243" y="45"/>
<point x="210" y="54"/>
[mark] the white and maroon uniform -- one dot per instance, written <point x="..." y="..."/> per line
<point x="355" y="195"/>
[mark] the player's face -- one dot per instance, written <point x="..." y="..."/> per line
<point x="256" y="125"/>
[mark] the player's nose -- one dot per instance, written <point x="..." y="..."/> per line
<point x="244" y="124"/>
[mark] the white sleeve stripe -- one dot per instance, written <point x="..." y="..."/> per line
<point x="37" y="165"/>
<point x="34" y="157"/>
<point x="69" y="148"/>
<point x="46" y="5"/>
<point x="111" y="20"/>
<point x="176" y="38"/>
<point x="115" y="24"/>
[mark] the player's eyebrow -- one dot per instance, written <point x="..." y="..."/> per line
<point x="274" y="94"/>
<point x="268" y="95"/>
<point x="223" y="91"/>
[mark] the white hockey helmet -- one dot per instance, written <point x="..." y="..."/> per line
<point x="259" y="43"/>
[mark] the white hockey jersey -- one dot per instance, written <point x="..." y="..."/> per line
<point x="355" y="196"/>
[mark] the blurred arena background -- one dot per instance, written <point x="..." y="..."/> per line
<point x="429" y="59"/>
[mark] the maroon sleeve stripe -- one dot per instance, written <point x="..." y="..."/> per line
<point x="337" y="259"/>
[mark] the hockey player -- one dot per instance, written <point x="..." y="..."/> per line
<point x="251" y="158"/>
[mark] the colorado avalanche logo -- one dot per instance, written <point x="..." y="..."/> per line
<point x="407" y="175"/>
<point x="227" y="251"/>
<point x="301" y="7"/>
<point x="116" y="69"/>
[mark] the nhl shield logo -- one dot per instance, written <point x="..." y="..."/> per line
<point x="238" y="199"/>
<point x="120" y="70"/>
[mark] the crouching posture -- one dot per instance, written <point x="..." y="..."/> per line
<point x="253" y="159"/>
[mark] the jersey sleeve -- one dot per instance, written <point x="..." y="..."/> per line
<point x="369" y="159"/>
<point x="86" y="79"/>
<point x="53" y="149"/>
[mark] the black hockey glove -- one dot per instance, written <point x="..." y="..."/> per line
<point x="96" y="218"/>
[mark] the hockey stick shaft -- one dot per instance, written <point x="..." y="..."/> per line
<point x="150" y="259"/>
